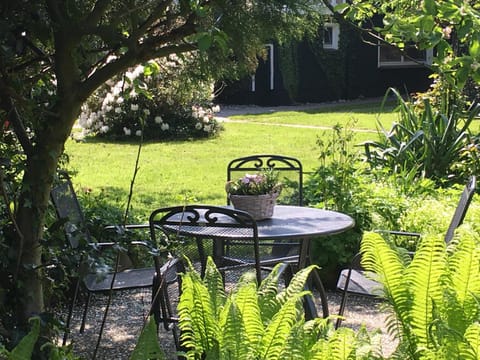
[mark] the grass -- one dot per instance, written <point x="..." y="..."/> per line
<point x="364" y="114"/>
<point x="194" y="171"/>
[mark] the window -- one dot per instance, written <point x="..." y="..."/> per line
<point x="389" y="56"/>
<point x="331" y="32"/>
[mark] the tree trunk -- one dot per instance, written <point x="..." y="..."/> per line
<point x="33" y="203"/>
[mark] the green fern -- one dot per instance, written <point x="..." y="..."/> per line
<point x="463" y="264"/>
<point x="471" y="350"/>
<point x="435" y="298"/>
<point x="239" y="328"/>
<point x="200" y="333"/>
<point x="246" y="299"/>
<point x="424" y="278"/>
<point x="279" y="329"/>
<point x="379" y="258"/>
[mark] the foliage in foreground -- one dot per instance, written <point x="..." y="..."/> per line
<point x="259" y="323"/>
<point x="433" y="297"/>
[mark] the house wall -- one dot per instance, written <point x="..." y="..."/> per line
<point x="305" y="72"/>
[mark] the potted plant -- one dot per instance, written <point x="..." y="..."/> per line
<point x="255" y="193"/>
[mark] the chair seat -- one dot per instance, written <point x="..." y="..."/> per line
<point x="360" y="283"/>
<point x="129" y="279"/>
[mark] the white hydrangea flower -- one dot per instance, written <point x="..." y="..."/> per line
<point x="146" y="112"/>
<point x="165" y="126"/>
<point x="134" y="107"/>
<point x="158" y="119"/>
<point x="104" y="129"/>
<point x="118" y="110"/>
<point x="206" y="119"/>
<point x="207" y="128"/>
<point x="120" y="100"/>
<point x="198" y="126"/>
<point x="127" y="131"/>
<point x="216" y="108"/>
<point x="138" y="132"/>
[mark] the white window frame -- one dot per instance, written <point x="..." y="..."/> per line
<point x="335" y="35"/>
<point x="271" y="53"/>
<point x="404" y="61"/>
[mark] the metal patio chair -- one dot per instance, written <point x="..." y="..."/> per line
<point x="353" y="280"/>
<point x="290" y="170"/>
<point x="198" y="231"/>
<point x="71" y="215"/>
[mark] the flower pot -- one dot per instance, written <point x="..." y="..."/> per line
<point x="258" y="206"/>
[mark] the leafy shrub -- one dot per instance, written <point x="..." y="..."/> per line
<point x="336" y="185"/>
<point x="427" y="143"/>
<point x="156" y="101"/>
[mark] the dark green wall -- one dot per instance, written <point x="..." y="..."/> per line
<point x="305" y="72"/>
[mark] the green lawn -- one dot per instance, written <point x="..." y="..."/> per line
<point x="365" y="115"/>
<point x="195" y="171"/>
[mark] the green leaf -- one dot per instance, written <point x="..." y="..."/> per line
<point x="147" y="346"/>
<point x="204" y="42"/>
<point x="474" y="49"/>
<point x="24" y="349"/>
<point x="430" y="7"/>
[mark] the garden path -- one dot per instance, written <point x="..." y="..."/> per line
<point x="230" y="110"/>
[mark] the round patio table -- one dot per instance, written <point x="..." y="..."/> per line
<point x="305" y="224"/>
<point x="298" y="223"/>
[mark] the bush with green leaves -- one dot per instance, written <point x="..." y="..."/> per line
<point x="162" y="99"/>
<point x="260" y="322"/>
<point x="336" y="185"/>
<point x="433" y="297"/>
<point x="429" y="141"/>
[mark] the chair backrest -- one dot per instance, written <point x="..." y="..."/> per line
<point x="285" y="165"/>
<point x="68" y="209"/>
<point x="462" y="207"/>
<point x="211" y="224"/>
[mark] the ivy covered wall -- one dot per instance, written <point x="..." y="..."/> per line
<point x="306" y="72"/>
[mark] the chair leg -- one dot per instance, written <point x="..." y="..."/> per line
<point x="343" y="303"/>
<point x="342" y="309"/>
<point x="84" y="317"/>
<point x="310" y="309"/>
<point x="70" y="312"/>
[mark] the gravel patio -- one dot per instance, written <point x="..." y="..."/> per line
<point x="129" y="308"/>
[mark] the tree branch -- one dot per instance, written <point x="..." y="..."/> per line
<point x="19" y="129"/>
<point x="96" y="14"/>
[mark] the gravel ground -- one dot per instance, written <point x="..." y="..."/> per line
<point x="129" y="308"/>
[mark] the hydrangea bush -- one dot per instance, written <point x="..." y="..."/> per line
<point x="160" y="100"/>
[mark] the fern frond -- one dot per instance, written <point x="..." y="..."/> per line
<point x="214" y="283"/>
<point x="424" y="275"/>
<point x="278" y="330"/>
<point x="342" y="344"/>
<point x="267" y="294"/>
<point x="198" y="320"/>
<point x="233" y="342"/>
<point x="471" y="348"/>
<point x="388" y="266"/>
<point x="464" y="267"/>
<point x="245" y="297"/>
<point x="297" y="284"/>
<point x="304" y="337"/>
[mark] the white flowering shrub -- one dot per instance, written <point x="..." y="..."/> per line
<point x="161" y="100"/>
